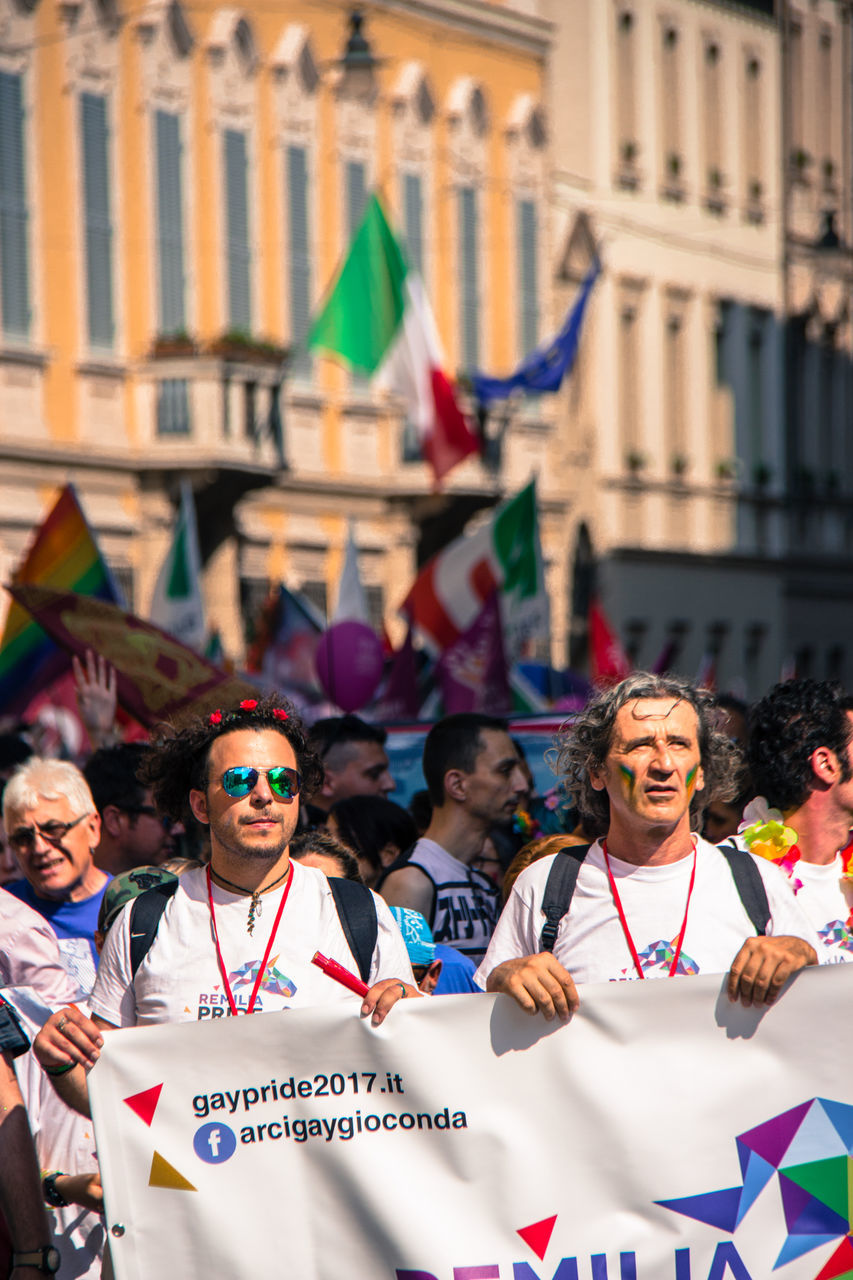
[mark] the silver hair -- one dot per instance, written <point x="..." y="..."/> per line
<point x="584" y="743"/>
<point x="42" y="779"/>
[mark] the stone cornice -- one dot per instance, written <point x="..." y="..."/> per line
<point x="483" y="20"/>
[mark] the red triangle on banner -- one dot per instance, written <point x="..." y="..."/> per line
<point x="145" y="1103"/>
<point x="538" y="1235"/>
<point x="840" y="1264"/>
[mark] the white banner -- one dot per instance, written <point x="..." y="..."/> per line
<point x="464" y="1140"/>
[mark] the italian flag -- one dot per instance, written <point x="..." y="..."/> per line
<point x="503" y="555"/>
<point x="378" y="321"/>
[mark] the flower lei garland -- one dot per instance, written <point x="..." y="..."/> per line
<point x="766" y="835"/>
<point x="248" y="704"/>
<point x="525" y="825"/>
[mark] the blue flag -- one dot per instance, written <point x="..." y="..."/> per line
<point x="545" y="368"/>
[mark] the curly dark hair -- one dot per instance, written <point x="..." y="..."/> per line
<point x="583" y="745"/>
<point x="176" y="760"/>
<point x="786" y="727"/>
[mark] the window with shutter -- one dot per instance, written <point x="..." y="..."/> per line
<point x="97" y="220"/>
<point x="238" y="259"/>
<point x="528" y="291"/>
<point x="173" y="407"/>
<point x="469" y="283"/>
<point x="413" y="207"/>
<point x="171" y="316"/>
<point x="299" y="250"/>
<point x="14" y="216"/>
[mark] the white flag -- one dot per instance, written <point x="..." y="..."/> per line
<point x="177" y="605"/>
<point x="352" y="600"/>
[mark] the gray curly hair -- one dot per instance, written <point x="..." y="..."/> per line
<point x="583" y="746"/>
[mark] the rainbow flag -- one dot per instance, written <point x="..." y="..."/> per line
<point x="64" y="555"/>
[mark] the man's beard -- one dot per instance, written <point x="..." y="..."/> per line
<point x="229" y="839"/>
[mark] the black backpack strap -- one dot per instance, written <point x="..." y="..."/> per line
<point x="145" y="915"/>
<point x="357" y="912"/>
<point x="749" y="885"/>
<point x="559" y="889"/>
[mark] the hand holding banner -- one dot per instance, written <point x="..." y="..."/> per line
<point x="664" y="1133"/>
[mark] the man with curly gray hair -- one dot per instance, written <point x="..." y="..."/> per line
<point x="649" y="898"/>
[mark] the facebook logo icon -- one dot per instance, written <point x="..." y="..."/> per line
<point x="214" y="1143"/>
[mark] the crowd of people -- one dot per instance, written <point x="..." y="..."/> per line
<point x="150" y="884"/>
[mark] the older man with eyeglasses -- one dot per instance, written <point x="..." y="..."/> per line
<point x="52" y="827"/>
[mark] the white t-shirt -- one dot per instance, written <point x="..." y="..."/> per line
<point x="591" y="943"/>
<point x="30" y="956"/>
<point x="180" y="981"/>
<point x="827" y="900"/>
<point x="65" y="1142"/>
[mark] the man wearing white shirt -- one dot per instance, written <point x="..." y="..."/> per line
<point x="651" y="899"/>
<point x="238" y="935"/>
<point x="800" y="760"/>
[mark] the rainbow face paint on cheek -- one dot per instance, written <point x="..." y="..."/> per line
<point x="629" y="778"/>
<point x="690" y="780"/>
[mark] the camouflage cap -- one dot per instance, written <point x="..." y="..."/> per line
<point x="123" y="888"/>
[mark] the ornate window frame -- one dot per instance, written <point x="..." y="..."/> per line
<point x="166" y="40"/>
<point x="414" y="108"/>
<point x="233" y="63"/>
<point x="92" y="64"/>
<point x="526" y="140"/>
<point x="17" y="43"/>
<point x="296" y="80"/>
<point x="468" y="129"/>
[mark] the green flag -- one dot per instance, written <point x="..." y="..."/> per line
<point x="366" y="305"/>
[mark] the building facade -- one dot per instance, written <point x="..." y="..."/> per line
<point x="700" y="147"/>
<point x="177" y="187"/>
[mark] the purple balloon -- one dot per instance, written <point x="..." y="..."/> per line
<point x="349" y="664"/>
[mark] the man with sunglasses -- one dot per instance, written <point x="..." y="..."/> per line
<point x="52" y="827"/>
<point x="236" y="936"/>
<point x="133" y="834"/>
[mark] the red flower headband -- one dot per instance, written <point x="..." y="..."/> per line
<point x="248" y="704"/>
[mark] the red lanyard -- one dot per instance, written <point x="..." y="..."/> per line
<point x="627" y="932"/>
<point x="262" y="970"/>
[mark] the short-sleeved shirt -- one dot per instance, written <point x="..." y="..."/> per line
<point x="179" y="980"/>
<point x="30" y="955"/>
<point x="826" y="897"/>
<point x="74" y="924"/>
<point x="591" y="941"/>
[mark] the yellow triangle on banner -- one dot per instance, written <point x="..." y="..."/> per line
<point x="165" y="1175"/>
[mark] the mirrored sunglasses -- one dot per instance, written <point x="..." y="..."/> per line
<point x="284" y="783"/>
<point x="23" y="840"/>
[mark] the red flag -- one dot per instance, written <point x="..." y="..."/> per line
<point x="608" y="662"/>
<point x="472" y="672"/>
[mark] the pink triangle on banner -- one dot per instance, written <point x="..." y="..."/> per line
<point x="145" y="1103"/>
<point x="538" y="1235"/>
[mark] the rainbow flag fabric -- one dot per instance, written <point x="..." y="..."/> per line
<point x="64" y="555"/>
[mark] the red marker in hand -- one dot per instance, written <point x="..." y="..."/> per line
<point x="337" y="971"/>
